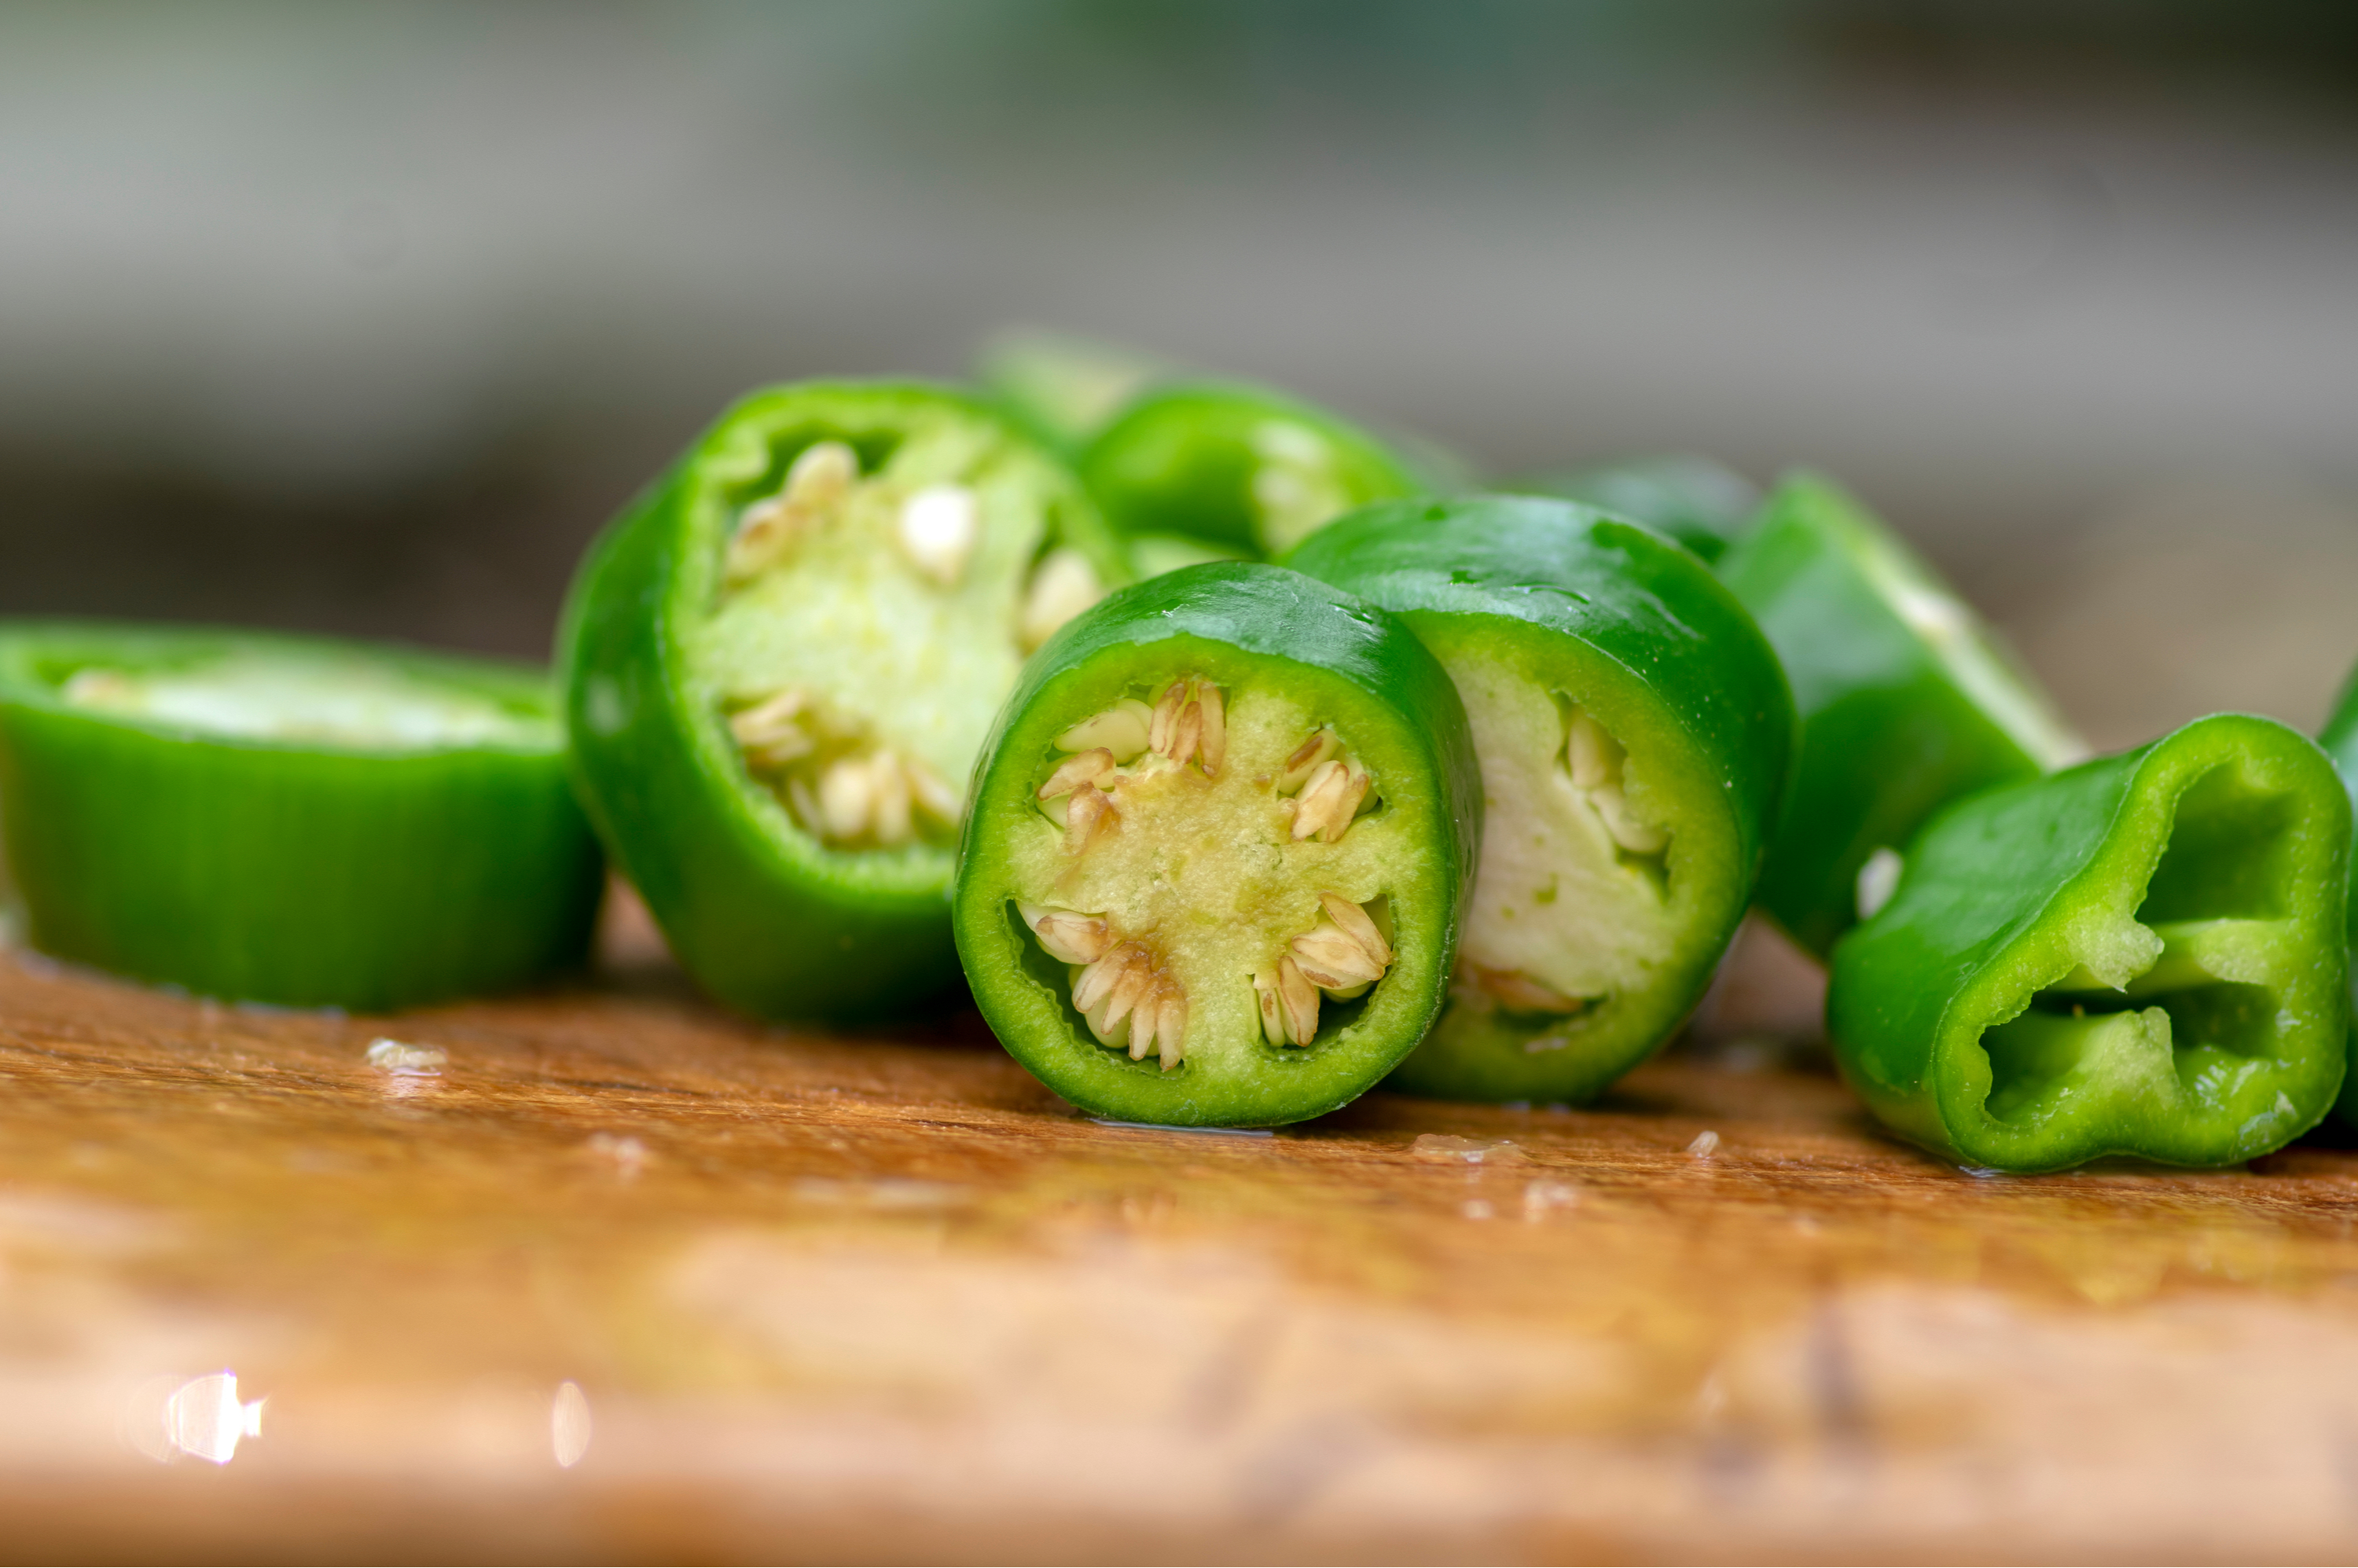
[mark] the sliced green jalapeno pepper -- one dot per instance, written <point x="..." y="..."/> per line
<point x="2142" y="955"/>
<point x="1701" y="504"/>
<point x="1907" y="700"/>
<point x="2340" y="740"/>
<point x="285" y="820"/>
<point x="781" y="662"/>
<point x="1062" y="388"/>
<point x="1633" y="729"/>
<point x="1235" y="469"/>
<point x="1218" y="849"/>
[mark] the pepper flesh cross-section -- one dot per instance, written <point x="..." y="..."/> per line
<point x="780" y="664"/>
<point x="1219" y="852"/>
<point x="1633" y="729"/>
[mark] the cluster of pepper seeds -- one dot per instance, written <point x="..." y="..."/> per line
<point x="1127" y="992"/>
<point x="844" y="785"/>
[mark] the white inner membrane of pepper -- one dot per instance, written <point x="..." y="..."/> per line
<point x="311" y="696"/>
<point x="1569" y="907"/>
<point x="870" y="621"/>
<point x="1209" y="864"/>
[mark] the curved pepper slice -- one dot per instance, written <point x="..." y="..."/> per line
<point x="781" y="662"/>
<point x="1219" y="851"/>
<point x="1907" y="700"/>
<point x="287" y="819"/>
<point x="1701" y="503"/>
<point x="2142" y="955"/>
<point x="2340" y="740"/>
<point x="1062" y="388"/>
<point x="1196" y="470"/>
<point x="1633" y="729"/>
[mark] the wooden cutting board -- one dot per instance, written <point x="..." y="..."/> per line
<point x="630" y="1278"/>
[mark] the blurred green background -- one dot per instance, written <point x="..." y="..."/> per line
<point x="364" y="318"/>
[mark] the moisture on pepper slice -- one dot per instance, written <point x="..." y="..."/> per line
<point x="288" y="820"/>
<point x="1701" y="503"/>
<point x="1219" y="850"/>
<point x="1907" y="701"/>
<point x="781" y="662"/>
<point x="2143" y="954"/>
<point x="1191" y="471"/>
<point x="1633" y="729"/>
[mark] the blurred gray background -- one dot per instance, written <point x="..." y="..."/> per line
<point x="364" y="318"/>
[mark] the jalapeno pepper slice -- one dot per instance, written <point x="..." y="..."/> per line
<point x="2142" y="955"/>
<point x="287" y="819"/>
<point x="1633" y="729"/>
<point x="1907" y="701"/>
<point x="1701" y="503"/>
<point x="781" y="662"/>
<point x="1219" y="850"/>
<point x="1064" y="389"/>
<point x="1235" y="469"/>
<point x="2340" y="740"/>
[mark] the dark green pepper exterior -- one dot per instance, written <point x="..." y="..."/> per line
<point x="1701" y="503"/>
<point x="1907" y="700"/>
<point x="293" y="871"/>
<point x="1349" y="665"/>
<point x="1620" y="624"/>
<point x="765" y="916"/>
<point x="2340" y="739"/>
<point x="2143" y="954"/>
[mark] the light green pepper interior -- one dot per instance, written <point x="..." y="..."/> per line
<point x="1204" y="876"/>
<point x="859" y="660"/>
<point x="311" y="696"/>
<point x="1601" y="899"/>
<point x="2174" y="1010"/>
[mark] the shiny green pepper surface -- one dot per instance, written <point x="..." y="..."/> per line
<point x="1634" y="729"/>
<point x="2142" y="955"/>
<point x="1219" y="850"/>
<point x="780" y="664"/>
<point x="290" y="820"/>
<point x="1907" y="700"/>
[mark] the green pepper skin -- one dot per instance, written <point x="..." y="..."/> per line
<point x="1183" y="461"/>
<point x="2204" y="874"/>
<point x="1361" y="670"/>
<point x="297" y="873"/>
<point x="1703" y="504"/>
<point x="764" y="917"/>
<point x="2340" y="739"/>
<point x="1638" y="630"/>
<point x="1907" y="700"/>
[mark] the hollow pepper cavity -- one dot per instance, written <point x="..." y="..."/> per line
<point x="1633" y="729"/>
<point x="1219" y="850"/>
<point x="2142" y="955"/>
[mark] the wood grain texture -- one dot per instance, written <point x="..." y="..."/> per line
<point x="837" y="1298"/>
